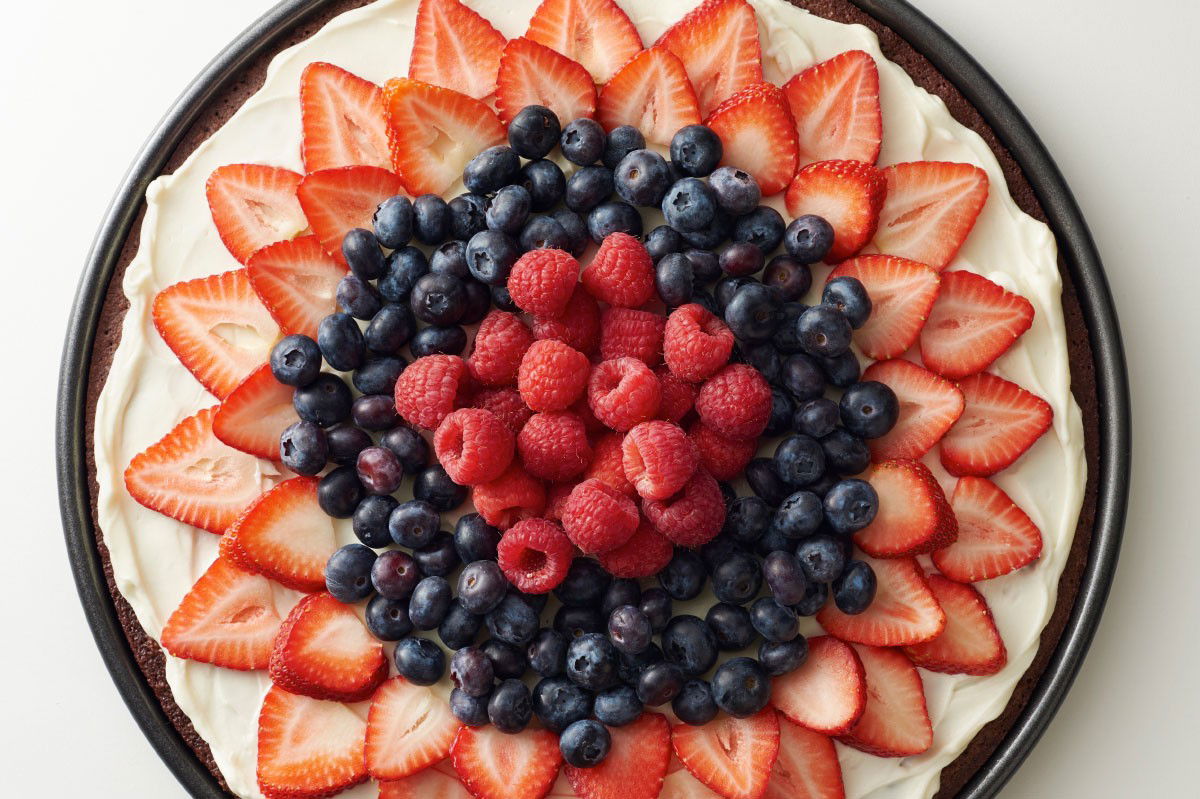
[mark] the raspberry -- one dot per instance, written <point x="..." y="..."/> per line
<point x="725" y="458"/>
<point x="556" y="500"/>
<point x="430" y="388"/>
<point x="506" y="404"/>
<point x="625" y="332"/>
<point x="509" y="498"/>
<point x="622" y="273"/>
<point x="623" y="392"/>
<point x="692" y="517"/>
<point x="541" y="282"/>
<point x="606" y="463"/>
<point x="658" y="458"/>
<point x="646" y="553"/>
<point x="678" y="396"/>
<point x="534" y="555"/>
<point x="500" y="342"/>
<point x="735" y="402"/>
<point x="695" y="343"/>
<point x="554" y="446"/>
<point x="598" y="518"/>
<point x="579" y="325"/>
<point x="552" y="375"/>
<point x="473" y="446"/>
<point x="583" y="410"/>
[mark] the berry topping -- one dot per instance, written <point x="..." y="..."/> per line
<point x="692" y="517"/>
<point x="496" y="765"/>
<point x="972" y="323"/>
<point x="283" y="535"/>
<point x="253" y="206"/>
<point x="930" y="208"/>
<point x="308" y="747"/>
<point x="598" y="518"/>
<point x="807" y="767"/>
<point x="623" y="392"/>
<point x="696" y="344"/>
<point x="500" y="343"/>
<point x="625" y="332"/>
<point x="534" y="555"/>
<point x="970" y="644"/>
<point x="678" y="396"/>
<point x="758" y="135"/>
<point x="650" y="92"/>
<point x="325" y="652"/>
<point x="836" y="107"/>
<point x="895" y="722"/>
<point x="552" y="375"/>
<point x="596" y="33"/>
<point x="255" y="414"/>
<point x="658" y="459"/>
<point x="718" y="45"/>
<point x="511" y="497"/>
<point x="902" y="293"/>
<point x="579" y="325"/>
<point x="904" y="612"/>
<point x="735" y="402"/>
<point x="621" y="273"/>
<point x="608" y="463"/>
<point x="409" y="728"/>
<point x="847" y="194"/>
<point x="473" y="446"/>
<point x="929" y="404"/>
<point x="336" y="201"/>
<point x="554" y="446"/>
<point x="635" y="766"/>
<point x="344" y="120"/>
<point x="999" y="422"/>
<point x="914" y="516"/>
<point x="995" y="536"/>
<point x="542" y="281"/>
<point x="429" y="389"/>
<point x="827" y="693"/>
<point x="731" y="756"/>
<point x="723" y="457"/>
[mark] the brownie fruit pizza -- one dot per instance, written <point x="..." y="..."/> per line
<point x="588" y="399"/>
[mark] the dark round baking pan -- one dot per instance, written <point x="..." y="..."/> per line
<point x="1077" y="252"/>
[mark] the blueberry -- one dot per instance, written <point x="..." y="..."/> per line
<point x="582" y="141"/>
<point x="414" y="523"/>
<point x="823" y="331"/>
<point x="773" y="541"/>
<point x="822" y="484"/>
<point x="345" y="442"/>
<point x="432" y="340"/>
<point x="591" y="661"/>
<point x="705" y="300"/>
<point x="621" y="141"/>
<point x="629" y="667"/>
<point x="718" y="550"/>
<point x="854" y="590"/>
<point x="431" y="219"/>
<point x="773" y="621"/>
<point x="848" y="296"/>
<point x="393" y="222"/>
<point x="420" y="661"/>
<point x="410" y="447"/>
<point x="696" y="150"/>
<point x="477" y="303"/>
<point x="851" y="505"/>
<point x="782" y="412"/>
<point x="429" y="603"/>
<point x="683" y="577"/>
<point x="508" y="210"/>
<point x="629" y="629"/>
<point x="623" y="591"/>
<point x="785" y="577"/>
<point x="535" y="601"/>
<point x="709" y="237"/>
<point x="814" y="599"/>
<point x="822" y="558"/>
<point x="799" y="460"/>
<point x="802" y="377"/>
<point x="842" y="370"/>
<point x="387" y="619"/>
<point x="460" y="627"/>
<point x="348" y="573"/>
<point x="642" y="178"/>
<point x="584" y="585"/>
<point x="741" y="259"/>
<point x="763" y="356"/>
<point x="481" y="586"/>
<point x="780" y="657"/>
<point x="370" y="520"/>
<point x="509" y="708"/>
<point x="474" y="538"/>
<point x="585" y="743"/>
<point x="737" y="579"/>
<point x="753" y="313"/>
<point x="617" y="706"/>
<point x="437" y="558"/>
<point x="662" y="241"/>
<point x="559" y="703"/>
<point x="339" y="492"/>
<point x="471" y="671"/>
<point x="674" y="280"/>
<point x="534" y="131"/>
<point x="437" y="299"/>
<point x="395" y="574"/>
<point x="304" y="448"/>
<point x="741" y="687"/>
<point x="706" y="266"/>
<point x="470" y="710"/>
<point x="434" y="486"/>
<point x="491" y="170"/>
<point x="547" y="653"/>
<point x="845" y="453"/>
<point x="575" y="228"/>
<point x="544" y="233"/>
<point x="512" y="621"/>
<point x="508" y="661"/>
<point x="791" y="278"/>
<point x="296" y="360"/>
<point x="589" y="187"/>
<point x="690" y="644"/>
<point x="404" y="267"/>
<point x="394" y="326"/>
<point x="808" y="238"/>
<point x="764" y="480"/>
<point x="762" y="227"/>
<point x="656" y="604"/>
<point x="737" y="191"/>
<point x="746" y="519"/>
<point x="361" y="250"/>
<point x="340" y="341"/>
<point x="798" y="516"/>
<point x="730" y="625"/>
<point x="545" y="182"/>
<point x="869" y="409"/>
<point x="816" y="417"/>
<point x="689" y="205"/>
<point x="357" y="297"/>
<point x="374" y="412"/>
<point x="613" y="217"/>
<point x="659" y="683"/>
<point x="695" y="704"/>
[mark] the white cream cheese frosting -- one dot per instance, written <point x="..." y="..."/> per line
<point x="156" y="559"/>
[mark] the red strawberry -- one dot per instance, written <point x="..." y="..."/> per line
<point x="807" y="767"/>
<point x="596" y="33"/>
<point x="652" y="93"/>
<point x="434" y="132"/>
<point x="409" y="728"/>
<point x="902" y="292"/>
<point x="896" y="721"/>
<point x="836" y="107"/>
<point x="324" y="651"/>
<point x="848" y="194"/>
<point x="308" y="747"/>
<point x="533" y="74"/>
<point x="455" y="47"/>
<point x="495" y="765"/>
<point x="193" y="316"/>
<point x="343" y="118"/>
<point x="297" y="281"/>
<point x="972" y="323"/>
<point x="904" y="611"/>
<point x="999" y="422"/>
<point x="253" y="205"/>
<point x="929" y="405"/>
<point x="995" y="536"/>
<point x="335" y="201"/>
<point x="191" y="476"/>
<point x="253" y="416"/>
<point x="427" y="784"/>
<point x="914" y="517"/>
<point x="931" y="206"/>
<point x="758" y="135"/>
<point x="635" y="766"/>
<point x="227" y="619"/>
<point x="731" y="756"/>
<point x="718" y="45"/>
<point x="680" y="784"/>
<point x="827" y="693"/>
<point x="970" y="644"/>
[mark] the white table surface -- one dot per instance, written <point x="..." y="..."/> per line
<point x="1114" y="90"/>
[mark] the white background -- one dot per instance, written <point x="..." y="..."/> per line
<point x="1112" y="87"/>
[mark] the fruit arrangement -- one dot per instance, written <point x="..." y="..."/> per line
<point x="600" y="395"/>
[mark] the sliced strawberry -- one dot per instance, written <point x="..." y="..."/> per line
<point x="970" y="644"/>
<point x="718" y="45"/>
<point x="999" y="423"/>
<point x="533" y="74"/>
<point x="995" y="536"/>
<point x="427" y="784"/>
<point x="758" y="135"/>
<point x="635" y="766"/>
<point x="836" y="107"/>
<point x="253" y="205"/>
<point x="827" y="693"/>
<point x="217" y="327"/>
<point x="904" y="611"/>
<point x="495" y="765"/>
<point x="297" y="281"/>
<point x="409" y="728"/>
<point x="344" y="120"/>
<point x="652" y="93"/>
<point x="338" y="200"/>
<point x="253" y="416"/>
<point x="929" y="405"/>
<point x="680" y="784"/>
<point x="914" y="517"/>
<point x="228" y="619"/>
<point x="284" y="535"/>
<point x="308" y="747"/>
<point x="902" y="292"/>
<point x="847" y="194"/>
<point x="807" y="767"/>
<point x="191" y="476"/>
<point x="930" y="209"/>
<point x="973" y="322"/>
<point x="896" y="721"/>
<point x="456" y="48"/>
<point x="323" y="650"/>
<point x="595" y="33"/>
<point x="732" y="756"/>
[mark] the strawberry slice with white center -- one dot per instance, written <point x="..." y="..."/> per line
<point x="323" y="650"/>
<point x="427" y="784"/>
<point x="896" y="721"/>
<point x="227" y="619"/>
<point x="254" y="205"/>
<point x="495" y="765"/>
<point x="284" y="535"/>
<point x="973" y="322"/>
<point x="533" y="74"/>
<point x="901" y="292"/>
<point x="807" y="767"/>
<point x="848" y="195"/>
<point x="904" y="612"/>
<point x="456" y="48"/>
<point x="343" y="118"/>
<point x="595" y="33"/>
<point x="758" y="135"/>
<point x="651" y="93"/>
<point x="336" y="201"/>
<point x="635" y="766"/>
<point x="929" y="405"/>
<point x="680" y="784"/>
<point x="995" y="536"/>
<point x="732" y="756"/>
<point x="409" y="728"/>
<point x="434" y="132"/>
<point x="718" y="45"/>
<point x="297" y="281"/>
<point x="827" y="693"/>
<point x="308" y="747"/>
<point x="836" y="107"/>
<point x="191" y="476"/>
<point x="254" y="415"/>
<point x="217" y="327"/>
<point x="970" y="644"/>
<point x="1000" y="422"/>
<point x="930" y="209"/>
<point x="914" y="516"/>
